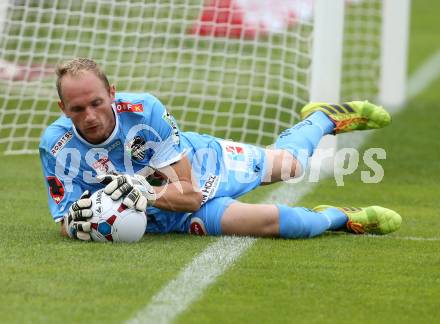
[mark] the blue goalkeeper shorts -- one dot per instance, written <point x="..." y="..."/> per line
<point x="240" y="169"/>
<point x="207" y="220"/>
<point x="225" y="170"/>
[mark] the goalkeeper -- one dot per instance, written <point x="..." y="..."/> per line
<point x="130" y="145"/>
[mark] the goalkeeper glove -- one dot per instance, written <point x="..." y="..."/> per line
<point x="75" y="221"/>
<point x="136" y="190"/>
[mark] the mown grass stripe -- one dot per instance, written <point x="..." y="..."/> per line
<point x="424" y="76"/>
<point x="406" y="238"/>
<point x="190" y="283"/>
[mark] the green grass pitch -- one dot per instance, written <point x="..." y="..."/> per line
<point x="334" y="278"/>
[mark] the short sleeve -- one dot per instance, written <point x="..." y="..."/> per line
<point x="166" y="134"/>
<point x="60" y="194"/>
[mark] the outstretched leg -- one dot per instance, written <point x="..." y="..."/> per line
<point x="295" y="145"/>
<point x="298" y="222"/>
<point x="226" y="216"/>
<point x="278" y="221"/>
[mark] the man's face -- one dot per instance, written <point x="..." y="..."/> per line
<point x="87" y="102"/>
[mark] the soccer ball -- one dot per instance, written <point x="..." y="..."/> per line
<point x="113" y="221"/>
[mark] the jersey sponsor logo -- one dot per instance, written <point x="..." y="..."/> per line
<point x="136" y="148"/>
<point x="122" y="107"/>
<point x="209" y="188"/>
<point x="61" y="143"/>
<point x="237" y="156"/>
<point x="235" y="153"/>
<point x="103" y="165"/>
<point x="170" y="121"/>
<point x="56" y="189"/>
<point x="197" y="227"/>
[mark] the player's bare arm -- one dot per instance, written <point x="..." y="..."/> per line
<point x="63" y="230"/>
<point x="180" y="193"/>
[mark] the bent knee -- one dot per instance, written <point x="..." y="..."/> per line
<point x="294" y="168"/>
<point x="285" y="166"/>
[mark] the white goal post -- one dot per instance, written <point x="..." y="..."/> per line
<point x="238" y="69"/>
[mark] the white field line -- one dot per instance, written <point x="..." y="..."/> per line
<point x="189" y="285"/>
<point x="424" y="76"/>
<point x="405" y="238"/>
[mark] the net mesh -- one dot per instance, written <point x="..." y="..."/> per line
<point x="233" y="86"/>
<point x="361" y="51"/>
<point x="241" y="88"/>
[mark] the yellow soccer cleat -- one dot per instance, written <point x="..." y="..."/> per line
<point x="372" y="219"/>
<point x="350" y="116"/>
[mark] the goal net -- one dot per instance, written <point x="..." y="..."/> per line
<point x="228" y="68"/>
<point x="361" y="50"/>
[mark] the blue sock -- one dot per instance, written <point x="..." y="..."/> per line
<point x="322" y="120"/>
<point x="337" y="218"/>
<point x="301" y="139"/>
<point x="298" y="222"/>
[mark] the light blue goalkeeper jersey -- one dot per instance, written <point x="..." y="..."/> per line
<point x="146" y="135"/>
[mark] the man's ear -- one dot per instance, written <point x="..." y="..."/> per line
<point x="61" y="105"/>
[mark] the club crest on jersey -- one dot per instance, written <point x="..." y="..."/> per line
<point x="197" y="227"/>
<point x="170" y="121"/>
<point x="62" y="141"/>
<point x="122" y="107"/>
<point x="136" y="148"/>
<point x="56" y="189"/>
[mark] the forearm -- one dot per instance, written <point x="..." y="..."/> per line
<point x="63" y="229"/>
<point x="178" y="196"/>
